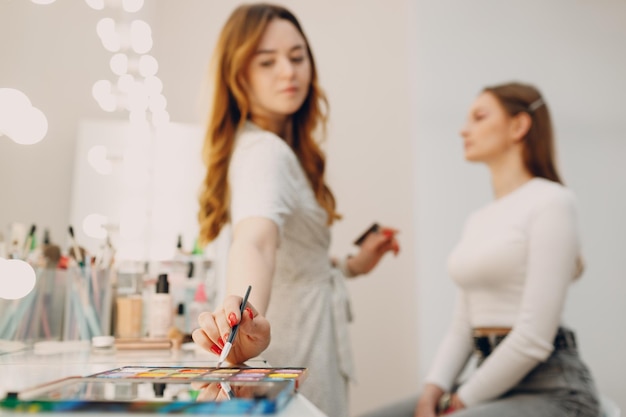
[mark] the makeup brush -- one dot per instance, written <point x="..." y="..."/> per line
<point x="50" y="253"/>
<point x="77" y="253"/>
<point x="229" y="343"/>
<point x="52" y="256"/>
<point x="29" y="242"/>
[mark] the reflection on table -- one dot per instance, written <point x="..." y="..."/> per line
<point x="25" y="367"/>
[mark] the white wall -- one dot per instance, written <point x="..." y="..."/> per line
<point x="574" y="52"/>
<point x="53" y="54"/>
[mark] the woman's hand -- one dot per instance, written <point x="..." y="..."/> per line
<point x="223" y="391"/>
<point x="252" y="338"/>
<point x="455" y="405"/>
<point x="428" y="402"/>
<point x="209" y="392"/>
<point x="372" y="250"/>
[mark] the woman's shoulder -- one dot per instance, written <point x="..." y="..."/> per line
<point x="546" y="194"/>
<point x="548" y="190"/>
<point x="252" y="138"/>
<point x="258" y="149"/>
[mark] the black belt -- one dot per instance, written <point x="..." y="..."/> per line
<point x="484" y="345"/>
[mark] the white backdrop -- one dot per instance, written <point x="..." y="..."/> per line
<point x="574" y="52"/>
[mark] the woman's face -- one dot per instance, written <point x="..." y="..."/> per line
<point x="279" y="74"/>
<point x="488" y="132"/>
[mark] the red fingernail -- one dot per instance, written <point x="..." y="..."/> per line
<point x="225" y="337"/>
<point x="387" y="233"/>
<point x="220" y="342"/>
<point x="215" y="349"/>
<point x="249" y="310"/>
<point x="232" y="319"/>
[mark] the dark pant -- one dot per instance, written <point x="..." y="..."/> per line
<point x="561" y="386"/>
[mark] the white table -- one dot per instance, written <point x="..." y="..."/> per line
<point x="30" y="367"/>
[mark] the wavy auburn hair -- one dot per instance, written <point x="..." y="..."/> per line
<point x="235" y="49"/>
<point x="538" y="153"/>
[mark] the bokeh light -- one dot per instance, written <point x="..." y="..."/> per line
<point x="17" y="279"/>
<point x="93" y="225"/>
<point x="132" y="6"/>
<point x="95" y="4"/>
<point x="19" y="120"/>
<point x="140" y="36"/>
<point x="98" y="159"/>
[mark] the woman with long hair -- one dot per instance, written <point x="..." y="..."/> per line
<point x="515" y="260"/>
<point x="266" y="180"/>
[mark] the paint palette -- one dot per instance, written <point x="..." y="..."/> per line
<point x="186" y="390"/>
<point x="197" y="374"/>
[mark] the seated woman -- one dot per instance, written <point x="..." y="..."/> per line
<point x="513" y="264"/>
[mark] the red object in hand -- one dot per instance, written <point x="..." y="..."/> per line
<point x="63" y="262"/>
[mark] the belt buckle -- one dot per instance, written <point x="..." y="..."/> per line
<point x="479" y="347"/>
<point x="570" y="340"/>
<point x="486" y="344"/>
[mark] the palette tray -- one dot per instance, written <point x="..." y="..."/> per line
<point x="180" y="390"/>
<point x="176" y="373"/>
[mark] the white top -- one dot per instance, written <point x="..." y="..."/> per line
<point x="308" y="309"/>
<point x="514" y="263"/>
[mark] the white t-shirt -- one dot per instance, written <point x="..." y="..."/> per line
<point x="514" y="262"/>
<point x="308" y="309"/>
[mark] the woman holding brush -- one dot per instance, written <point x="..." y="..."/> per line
<point x="266" y="181"/>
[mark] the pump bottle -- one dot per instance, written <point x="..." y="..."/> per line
<point x="160" y="309"/>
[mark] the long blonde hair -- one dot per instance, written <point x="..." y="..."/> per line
<point x="235" y="48"/>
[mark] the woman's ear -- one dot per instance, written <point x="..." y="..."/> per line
<point x="520" y="125"/>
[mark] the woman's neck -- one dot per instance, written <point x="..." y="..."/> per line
<point x="505" y="185"/>
<point x="280" y="127"/>
<point x="507" y="176"/>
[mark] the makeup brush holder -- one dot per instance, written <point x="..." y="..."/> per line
<point x="88" y="303"/>
<point x="39" y="315"/>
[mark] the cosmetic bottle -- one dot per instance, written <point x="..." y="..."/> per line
<point x="129" y="314"/>
<point x="129" y="304"/>
<point x="160" y="309"/>
<point x="16" y="240"/>
<point x="178" y="271"/>
<point x="179" y="320"/>
<point x="197" y="306"/>
<point x="199" y="291"/>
